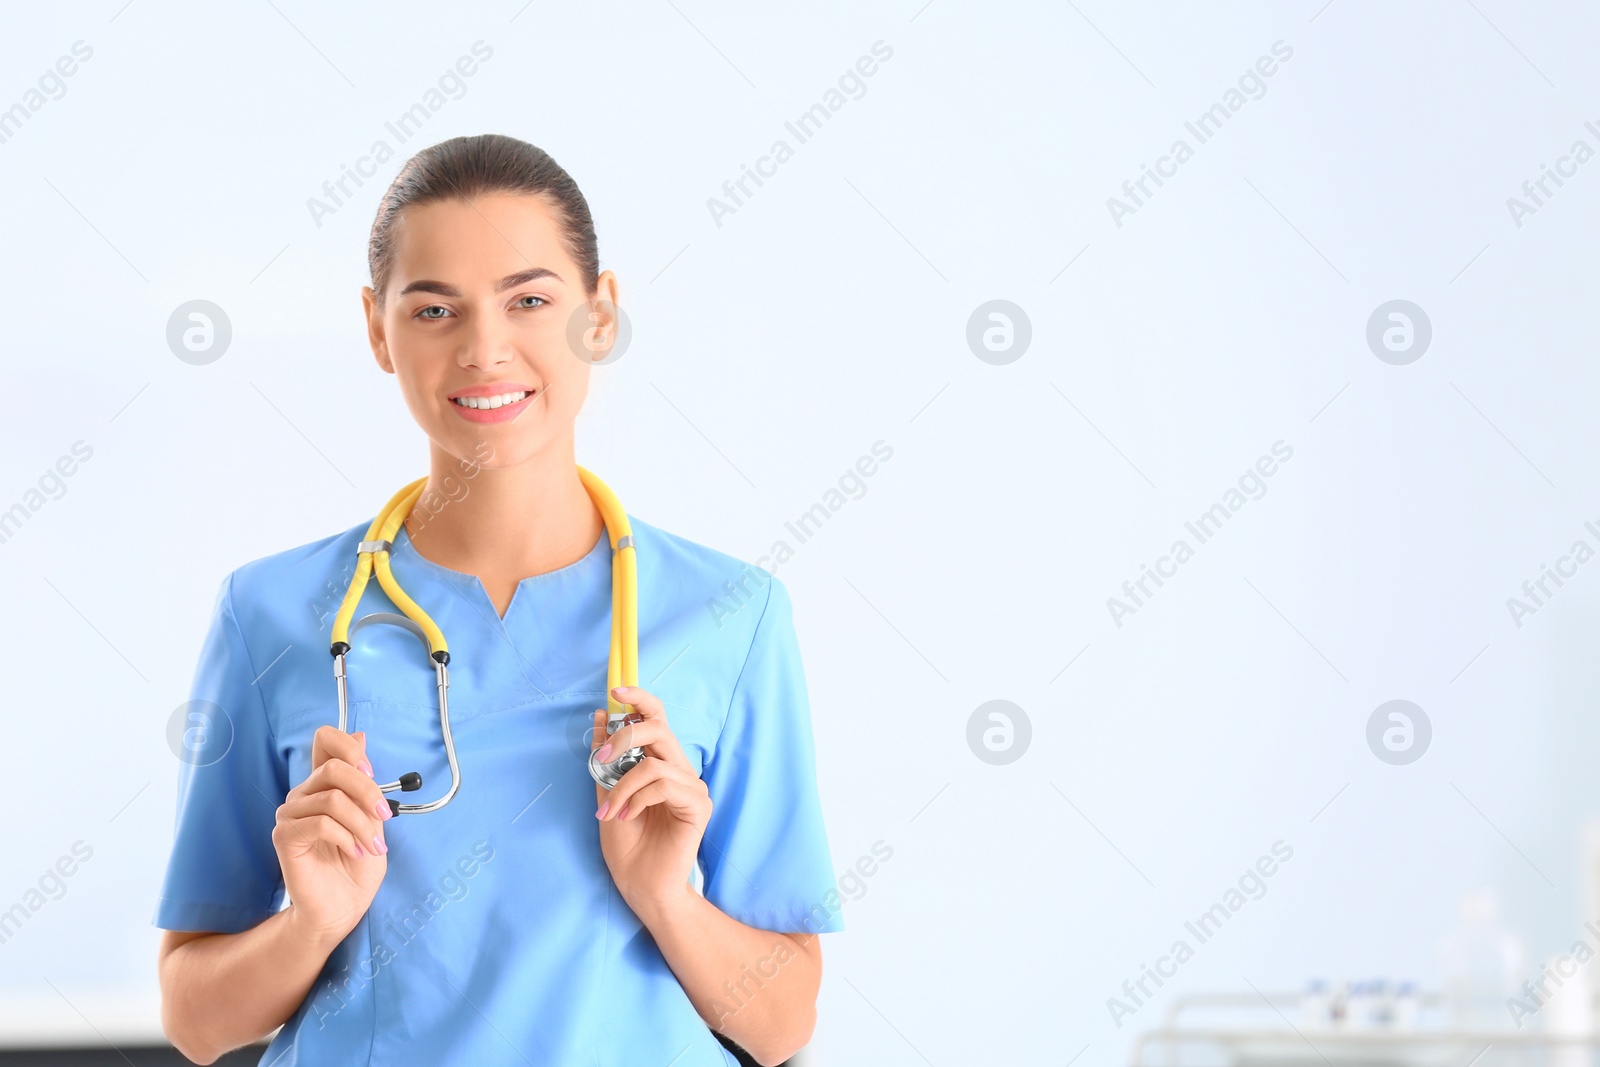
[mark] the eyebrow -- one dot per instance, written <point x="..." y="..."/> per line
<point x="510" y="281"/>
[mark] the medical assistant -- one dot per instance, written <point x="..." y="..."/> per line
<point x="497" y="935"/>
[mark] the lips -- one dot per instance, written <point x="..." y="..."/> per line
<point x="494" y="402"/>
<point x="488" y="403"/>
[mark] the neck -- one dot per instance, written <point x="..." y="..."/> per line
<point x="509" y="523"/>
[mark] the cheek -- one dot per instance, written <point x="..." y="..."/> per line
<point x="549" y="338"/>
<point x="567" y="392"/>
<point x="550" y="348"/>
<point x="424" y="355"/>
<point x="417" y="375"/>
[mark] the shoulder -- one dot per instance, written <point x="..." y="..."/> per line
<point x="270" y="622"/>
<point x="715" y="582"/>
<point x="686" y="557"/>
<point x="680" y="551"/>
<point x="304" y="582"/>
<point x="727" y="624"/>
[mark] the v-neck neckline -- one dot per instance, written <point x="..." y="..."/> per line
<point x="472" y="581"/>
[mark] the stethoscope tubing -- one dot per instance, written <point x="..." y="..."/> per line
<point x="622" y="668"/>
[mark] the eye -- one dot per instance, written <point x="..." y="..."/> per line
<point x="423" y="314"/>
<point x="538" y="301"/>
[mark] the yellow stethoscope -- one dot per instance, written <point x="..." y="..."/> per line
<point x="373" y="555"/>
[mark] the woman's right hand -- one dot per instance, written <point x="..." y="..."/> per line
<point x="329" y="837"/>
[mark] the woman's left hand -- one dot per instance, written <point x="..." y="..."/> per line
<point x="652" y="820"/>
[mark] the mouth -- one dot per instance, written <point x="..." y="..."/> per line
<point x="480" y="406"/>
<point x="489" y="403"/>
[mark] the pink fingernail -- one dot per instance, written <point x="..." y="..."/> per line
<point x="377" y="844"/>
<point x="359" y="850"/>
<point x="601" y="812"/>
<point x="366" y="768"/>
<point x="382" y="808"/>
<point x="604" y="753"/>
<point x="623" y="814"/>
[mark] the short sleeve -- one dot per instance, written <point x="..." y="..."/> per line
<point x="223" y="874"/>
<point x="765" y="852"/>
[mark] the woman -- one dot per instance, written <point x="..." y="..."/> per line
<point x="536" y="917"/>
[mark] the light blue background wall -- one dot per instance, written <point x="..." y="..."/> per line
<point x="830" y="312"/>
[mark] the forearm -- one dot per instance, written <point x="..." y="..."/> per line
<point x="756" y="986"/>
<point x="222" y="991"/>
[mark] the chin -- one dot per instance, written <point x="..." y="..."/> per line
<point x="497" y="449"/>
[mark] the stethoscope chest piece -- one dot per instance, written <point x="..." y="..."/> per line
<point x="610" y="773"/>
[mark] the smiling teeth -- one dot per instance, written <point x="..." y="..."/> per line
<point x="484" y="403"/>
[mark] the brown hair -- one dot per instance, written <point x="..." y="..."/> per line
<point x="463" y="168"/>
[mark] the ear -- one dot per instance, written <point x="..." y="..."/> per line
<point x="604" y="317"/>
<point x="605" y="288"/>
<point x="375" y="335"/>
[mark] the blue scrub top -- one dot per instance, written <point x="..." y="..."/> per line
<point x="497" y="935"/>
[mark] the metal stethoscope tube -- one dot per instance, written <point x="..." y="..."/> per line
<point x="410" y="781"/>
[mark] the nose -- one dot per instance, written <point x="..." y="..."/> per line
<point x="487" y="345"/>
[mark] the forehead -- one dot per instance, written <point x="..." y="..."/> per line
<point x="485" y="238"/>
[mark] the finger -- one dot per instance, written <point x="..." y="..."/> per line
<point x="365" y="825"/>
<point x="653" y="732"/>
<point x="684" y="800"/>
<point x="337" y="774"/>
<point x="640" y="774"/>
<point x="649" y="770"/>
<point x="603" y="727"/>
<point x="643" y="701"/>
<point x="305" y="834"/>
<point x="652" y="735"/>
<point x="330" y="742"/>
